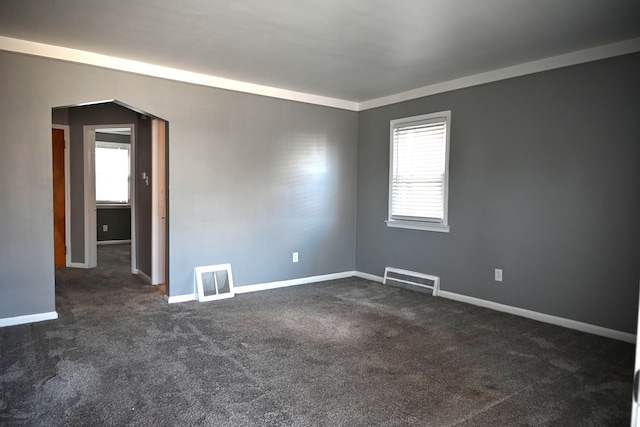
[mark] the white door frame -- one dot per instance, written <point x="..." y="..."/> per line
<point x="67" y="189"/>
<point x="90" y="213"/>
<point x="158" y="202"/>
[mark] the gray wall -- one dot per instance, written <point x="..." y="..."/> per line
<point x="104" y="136"/>
<point x="118" y="222"/>
<point x="251" y="179"/>
<point x="26" y="206"/>
<point x="100" y="114"/>
<point x="60" y="116"/>
<point x="143" y="195"/>
<point x="544" y="183"/>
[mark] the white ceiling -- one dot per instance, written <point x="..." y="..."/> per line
<point x="355" y="50"/>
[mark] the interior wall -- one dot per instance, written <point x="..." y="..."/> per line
<point x="143" y="194"/>
<point x="26" y="203"/>
<point x="99" y="114"/>
<point x="118" y="222"/>
<point x="251" y="178"/>
<point x="544" y="184"/>
<point x="109" y="137"/>
<point x="60" y="116"/>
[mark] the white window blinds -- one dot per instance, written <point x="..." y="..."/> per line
<point x="418" y="181"/>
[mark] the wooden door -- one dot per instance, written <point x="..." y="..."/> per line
<point x="60" y="256"/>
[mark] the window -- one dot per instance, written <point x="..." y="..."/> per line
<point x="112" y="172"/>
<point x="418" y="172"/>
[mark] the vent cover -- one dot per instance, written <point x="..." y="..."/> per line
<point x="412" y="280"/>
<point x="214" y="282"/>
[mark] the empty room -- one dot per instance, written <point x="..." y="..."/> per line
<point x="337" y="213"/>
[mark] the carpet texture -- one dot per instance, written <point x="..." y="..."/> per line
<point x="341" y="353"/>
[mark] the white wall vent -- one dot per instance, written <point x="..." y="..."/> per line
<point x="214" y="282"/>
<point x="412" y="280"/>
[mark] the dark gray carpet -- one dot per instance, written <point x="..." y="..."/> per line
<point x="341" y="353"/>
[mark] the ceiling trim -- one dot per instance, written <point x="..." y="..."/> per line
<point x="89" y="58"/>
<point x="574" y="58"/>
<point x="137" y="67"/>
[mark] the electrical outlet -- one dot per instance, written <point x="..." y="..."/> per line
<point x="498" y="275"/>
<point x="105" y="227"/>
<point x="294" y="258"/>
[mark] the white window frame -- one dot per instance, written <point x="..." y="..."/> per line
<point x="121" y="145"/>
<point x="420" y="223"/>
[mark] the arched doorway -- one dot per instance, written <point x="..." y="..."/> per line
<point x="148" y="175"/>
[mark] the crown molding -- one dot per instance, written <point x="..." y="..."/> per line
<point x="104" y="61"/>
<point x="560" y="61"/>
<point x="137" y="67"/>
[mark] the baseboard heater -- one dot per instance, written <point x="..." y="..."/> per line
<point x="412" y="280"/>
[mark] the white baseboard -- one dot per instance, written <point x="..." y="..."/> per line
<point x="113" y="242"/>
<point x="28" y="318"/>
<point x="293" y="282"/>
<point x="547" y="318"/>
<point x="77" y="265"/>
<point x="266" y="286"/>
<point x="541" y="317"/>
<point x="179" y="298"/>
<point x="368" y="276"/>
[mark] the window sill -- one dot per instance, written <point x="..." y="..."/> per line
<point x="112" y="205"/>
<point x="415" y="225"/>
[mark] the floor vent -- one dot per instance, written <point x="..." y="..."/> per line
<point x="214" y="282"/>
<point x="412" y="280"/>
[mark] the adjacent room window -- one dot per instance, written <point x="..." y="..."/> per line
<point x="112" y="172"/>
<point x="418" y="172"/>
